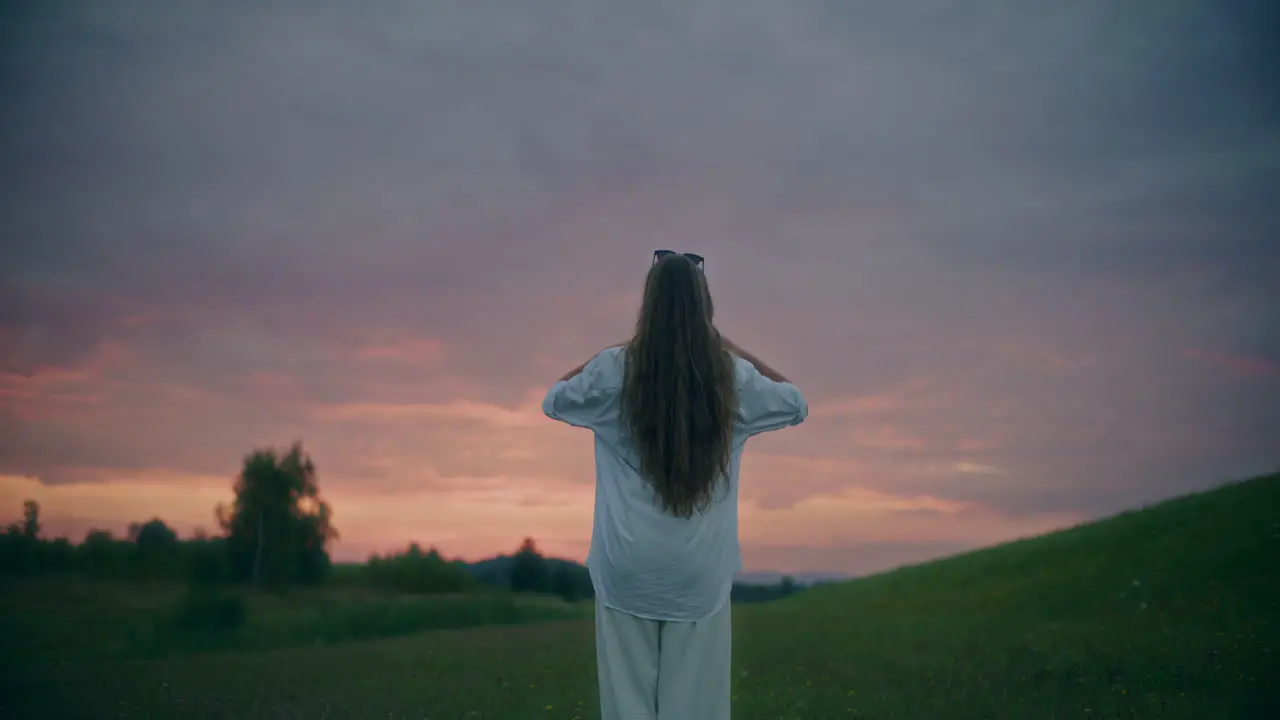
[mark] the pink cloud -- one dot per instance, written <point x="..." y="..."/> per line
<point x="104" y="359"/>
<point x="911" y="395"/>
<point x="888" y="401"/>
<point x="527" y="415"/>
<point x="887" y="437"/>
<point x="866" y="515"/>
<point x="50" y="392"/>
<point x="421" y="351"/>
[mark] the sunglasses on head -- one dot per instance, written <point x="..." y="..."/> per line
<point x="696" y="258"/>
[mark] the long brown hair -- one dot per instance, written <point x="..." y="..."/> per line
<point x="678" y="395"/>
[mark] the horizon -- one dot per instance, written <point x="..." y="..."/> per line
<point x="1021" y="260"/>
<point x="748" y="575"/>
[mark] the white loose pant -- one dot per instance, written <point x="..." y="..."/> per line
<point x="663" y="670"/>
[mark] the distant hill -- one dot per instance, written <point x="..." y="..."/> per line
<point x="771" y="577"/>
<point x="747" y="587"/>
<point x="498" y="570"/>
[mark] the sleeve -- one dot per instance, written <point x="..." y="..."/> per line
<point x="585" y="399"/>
<point x="765" y="405"/>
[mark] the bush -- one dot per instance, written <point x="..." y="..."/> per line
<point x="414" y="571"/>
<point x="207" y="562"/>
<point x="207" y="611"/>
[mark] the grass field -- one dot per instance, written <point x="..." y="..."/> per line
<point x="50" y="621"/>
<point x="1170" y="612"/>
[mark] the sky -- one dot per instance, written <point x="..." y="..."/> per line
<point x="1021" y="258"/>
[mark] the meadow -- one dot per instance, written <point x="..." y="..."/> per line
<point x="1172" y="611"/>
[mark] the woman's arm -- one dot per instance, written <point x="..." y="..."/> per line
<point x="576" y="371"/>
<point x="569" y="375"/>
<point x="764" y="369"/>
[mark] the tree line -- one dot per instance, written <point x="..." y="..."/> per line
<point x="276" y="534"/>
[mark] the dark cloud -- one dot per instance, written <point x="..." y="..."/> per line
<point x="1058" y="215"/>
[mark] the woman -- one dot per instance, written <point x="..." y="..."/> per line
<point x="670" y="411"/>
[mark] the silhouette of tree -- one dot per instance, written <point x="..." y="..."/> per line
<point x="529" y="569"/>
<point x="153" y="535"/>
<point x="156" y="548"/>
<point x="21" y="550"/>
<point x="415" y="571"/>
<point x="787" y="586"/>
<point x="102" y="554"/>
<point x="278" y="529"/>
<point x="571" y="582"/>
<point x="31" y="519"/>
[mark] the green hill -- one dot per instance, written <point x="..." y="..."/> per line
<point x="1168" y="612"/>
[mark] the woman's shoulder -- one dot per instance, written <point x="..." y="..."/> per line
<point x="742" y="371"/>
<point x="613" y="357"/>
<point x="610" y="365"/>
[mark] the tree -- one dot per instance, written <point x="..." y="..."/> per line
<point x="153" y="535"/>
<point x="102" y="554"/>
<point x="415" y="571"/>
<point x="787" y="586"/>
<point x="529" y="569"/>
<point x="208" y="561"/>
<point x="21" y="550"/>
<point x="156" y="548"/>
<point x="278" y="528"/>
<point x="571" y="582"/>
<point x="31" y="519"/>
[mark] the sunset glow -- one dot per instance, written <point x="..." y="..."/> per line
<point x="1016" y="299"/>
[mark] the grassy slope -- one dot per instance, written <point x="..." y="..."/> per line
<point x="1170" y="612"/>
